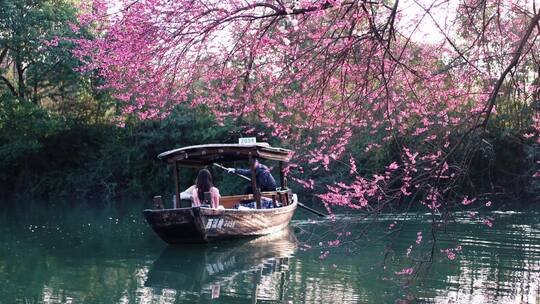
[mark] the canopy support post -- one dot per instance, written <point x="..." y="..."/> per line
<point x="256" y="191"/>
<point x="176" y="202"/>
<point x="282" y="178"/>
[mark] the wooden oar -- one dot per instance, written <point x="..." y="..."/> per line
<point x="249" y="179"/>
<point x="311" y="210"/>
<point x="227" y="169"/>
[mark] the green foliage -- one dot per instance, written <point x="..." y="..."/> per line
<point x="52" y="156"/>
<point x="34" y="70"/>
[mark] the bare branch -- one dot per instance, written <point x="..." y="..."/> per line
<point x="10" y="86"/>
<point x="493" y="96"/>
<point x="3" y="55"/>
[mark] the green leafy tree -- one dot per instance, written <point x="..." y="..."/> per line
<point x="32" y="67"/>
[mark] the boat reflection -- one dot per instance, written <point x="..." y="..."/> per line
<point x="250" y="269"/>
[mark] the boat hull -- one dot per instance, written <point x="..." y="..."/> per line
<point x="201" y="225"/>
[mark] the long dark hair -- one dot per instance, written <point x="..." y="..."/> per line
<point x="203" y="183"/>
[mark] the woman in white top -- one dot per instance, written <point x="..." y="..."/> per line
<point x="202" y="185"/>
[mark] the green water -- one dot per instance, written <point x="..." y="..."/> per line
<point x="80" y="253"/>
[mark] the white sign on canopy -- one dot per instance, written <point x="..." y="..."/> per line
<point x="247" y="140"/>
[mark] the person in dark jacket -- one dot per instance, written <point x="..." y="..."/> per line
<point x="264" y="179"/>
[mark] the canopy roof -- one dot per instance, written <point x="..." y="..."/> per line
<point x="203" y="155"/>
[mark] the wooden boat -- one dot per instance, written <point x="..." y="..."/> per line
<point x="202" y="224"/>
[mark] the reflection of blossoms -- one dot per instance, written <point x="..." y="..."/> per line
<point x="466" y="201"/>
<point x="405" y="271"/>
<point x="324" y="254"/>
<point x="334" y="243"/>
<point x="451" y="253"/>
<point x="419" y="237"/>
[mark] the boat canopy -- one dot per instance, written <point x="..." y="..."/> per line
<point x="202" y="155"/>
